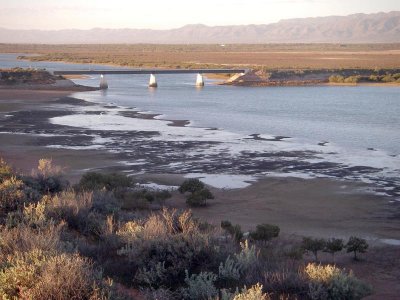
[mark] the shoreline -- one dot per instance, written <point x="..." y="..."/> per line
<point x="259" y="83"/>
<point x="293" y="203"/>
<point x="306" y="84"/>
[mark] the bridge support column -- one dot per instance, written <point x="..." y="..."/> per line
<point x="199" y="80"/>
<point x="153" y="81"/>
<point x="103" y="82"/>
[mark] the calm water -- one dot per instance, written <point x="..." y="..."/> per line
<point x="356" y="118"/>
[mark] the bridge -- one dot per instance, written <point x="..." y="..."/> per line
<point x="152" y="73"/>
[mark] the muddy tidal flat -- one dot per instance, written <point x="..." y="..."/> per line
<point x="251" y="186"/>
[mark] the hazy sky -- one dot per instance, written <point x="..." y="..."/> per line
<point x="159" y="14"/>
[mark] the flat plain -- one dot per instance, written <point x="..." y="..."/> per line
<point x="268" y="56"/>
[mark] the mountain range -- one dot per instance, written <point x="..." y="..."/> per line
<point x="356" y="28"/>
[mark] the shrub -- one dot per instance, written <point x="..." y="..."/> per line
<point x="173" y="239"/>
<point x="352" y="79"/>
<point x="234" y="231"/>
<point x="141" y="198"/>
<point x="388" y="78"/>
<point x="47" y="178"/>
<point x="129" y="231"/>
<point x="336" y="79"/>
<point x="348" y="287"/>
<point x="199" y="198"/>
<point x="153" y="277"/>
<point x="34" y="215"/>
<point x="265" y="232"/>
<point x="12" y="194"/>
<point x="24" y="238"/>
<point x="159" y="294"/>
<point x="5" y="171"/>
<point x="198" y="193"/>
<point x="334" y="245"/>
<point x="247" y="257"/>
<point x="321" y="274"/>
<point x="71" y="207"/>
<point x="40" y="275"/>
<point x="313" y="245"/>
<point x="329" y="282"/>
<point x="191" y="185"/>
<point x="97" y="181"/>
<point x="253" y="293"/>
<point x="374" y="78"/>
<point x="356" y="245"/>
<point x="105" y="202"/>
<point x="229" y="270"/>
<point x="396" y="76"/>
<point x="200" y="286"/>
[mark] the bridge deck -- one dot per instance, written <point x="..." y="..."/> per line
<point x="151" y="71"/>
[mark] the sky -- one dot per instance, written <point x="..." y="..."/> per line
<point x="166" y="14"/>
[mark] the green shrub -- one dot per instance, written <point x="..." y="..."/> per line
<point x="198" y="193"/>
<point x="247" y="257"/>
<point x="229" y="271"/>
<point x="334" y="245"/>
<point x="234" y="231"/>
<point x="131" y="199"/>
<point x="329" y="282"/>
<point x="356" y="245"/>
<point x="191" y="185"/>
<point x="313" y="245"/>
<point x="153" y="277"/>
<point x="171" y="238"/>
<point x="200" y="286"/>
<point x="97" y="181"/>
<point x="265" y="232"/>
<point x="199" y="198"/>
<point x="105" y="202"/>
<point x="348" y="287"/>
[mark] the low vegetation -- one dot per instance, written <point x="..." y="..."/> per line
<point x="374" y="77"/>
<point x="196" y="192"/>
<point x="25" y="76"/>
<point x="88" y="242"/>
<point x="270" y="56"/>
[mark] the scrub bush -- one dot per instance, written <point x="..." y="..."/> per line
<point x="198" y="194"/>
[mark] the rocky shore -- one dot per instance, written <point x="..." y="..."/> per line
<point x="33" y="79"/>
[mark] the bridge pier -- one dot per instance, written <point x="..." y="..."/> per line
<point x="103" y="82"/>
<point x="199" y="80"/>
<point x="153" y="81"/>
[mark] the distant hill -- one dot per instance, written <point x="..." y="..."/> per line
<point x="357" y="28"/>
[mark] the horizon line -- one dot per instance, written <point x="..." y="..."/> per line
<point x="198" y="24"/>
